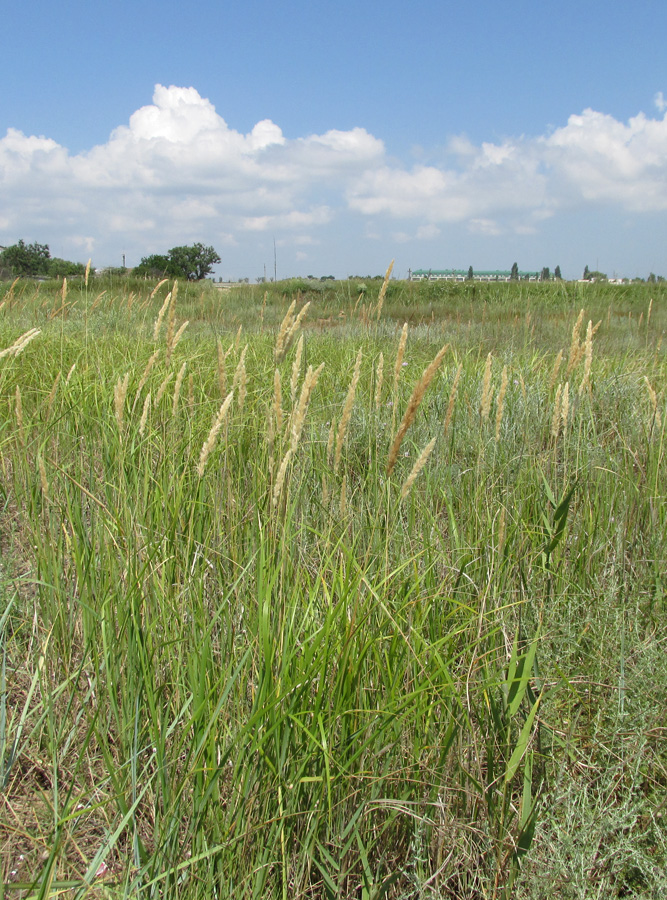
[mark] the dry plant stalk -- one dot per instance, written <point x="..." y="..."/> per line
<point x="309" y="382"/>
<point x="177" y="387"/>
<point x="487" y="392"/>
<point x="70" y="373"/>
<point x="383" y="290"/>
<point x="171" y="323"/>
<point x="119" y="395"/>
<point x="556" y="369"/>
<point x="191" y="390"/>
<point x="144" y="378"/>
<point x="285" y="325"/>
<point x="163" y="387"/>
<point x="179" y="334"/>
<point x="42" y="477"/>
<point x="144" y="414"/>
<point x="501" y="530"/>
<point x="85" y="280"/>
<point x="222" y="375"/>
<point x="653" y="397"/>
<point x="565" y="408"/>
<point x="343" y="496"/>
<point x="209" y="443"/>
<point x="157" y="288"/>
<point x="240" y="379"/>
<point x="413" y="405"/>
<point x="556" y="418"/>
<point x="347" y="411"/>
<point x="452" y="399"/>
<point x="277" y="400"/>
<point x="416" y="469"/>
<point x="648" y="316"/>
<point x="160" y="315"/>
<point x="500" y="403"/>
<point x="19" y="416"/>
<point x="20" y="343"/>
<point x="330" y="442"/>
<point x="378" y="380"/>
<point x="280" y="478"/>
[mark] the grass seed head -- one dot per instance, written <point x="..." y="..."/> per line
<point x="347" y="411"/>
<point x="416" y="469"/>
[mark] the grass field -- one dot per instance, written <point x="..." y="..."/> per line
<point x="363" y="598"/>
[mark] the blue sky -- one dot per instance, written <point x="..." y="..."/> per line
<point x="438" y="134"/>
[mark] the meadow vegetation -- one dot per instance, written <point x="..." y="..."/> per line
<point x="332" y="590"/>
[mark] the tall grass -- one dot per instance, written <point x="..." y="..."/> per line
<point x="353" y="638"/>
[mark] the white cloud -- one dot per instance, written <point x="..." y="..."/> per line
<point x="177" y="172"/>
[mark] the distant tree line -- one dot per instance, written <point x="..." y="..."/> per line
<point x="35" y="260"/>
<point x="190" y="263"/>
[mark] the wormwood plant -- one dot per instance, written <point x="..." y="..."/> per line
<point x="296" y="608"/>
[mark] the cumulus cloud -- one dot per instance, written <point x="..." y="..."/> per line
<point x="177" y="172"/>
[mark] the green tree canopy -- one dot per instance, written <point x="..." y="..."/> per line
<point x="514" y="274"/>
<point x="26" y="259"/>
<point x="189" y="262"/>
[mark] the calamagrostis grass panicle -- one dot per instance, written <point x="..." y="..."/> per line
<point x="222" y="374"/>
<point x="400" y="353"/>
<point x="347" y="411"/>
<point x="144" y="414"/>
<point x="285" y="325"/>
<point x="157" y="288"/>
<point x="383" y="290"/>
<point x="413" y="405"/>
<point x="299" y="415"/>
<point x="280" y="478"/>
<point x="487" y="391"/>
<point x="171" y="323"/>
<point x="296" y="368"/>
<point x="52" y="395"/>
<point x="85" y="278"/>
<point x="119" y="395"/>
<point x="452" y="399"/>
<point x="144" y="378"/>
<point x="575" y="349"/>
<point x="588" y="359"/>
<point x="20" y="343"/>
<point x="160" y="316"/>
<point x="179" y="335"/>
<point x="209" y="443"/>
<point x="163" y="387"/>
<point x="378" y="380"/>
<point x="277" y="401"/>
<point x="240" y="379"/>
<point x="500" y="402"/>
<point x="565" y="408"/>
<point x="416" y="469"/>
<point x="555" y="370"/>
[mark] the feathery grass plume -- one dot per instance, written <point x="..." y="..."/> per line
<point x="330" y="442"/>
<point x="160" y="315"/>
<point x="556" y="418"/>
<point x="157" y="288"/>
<point x="179" y="334"/>
<point x="85" y="280"/>
<point x="144" y="378"/>
<point x="588" y="359"/>
<point x="271" y="438"/>
<point x="555" y="370"/>
<point x="280" y="478"/>
<point x="574" y="354"/>
<point x="171" y="323"/>
<point x="452" y="399"/>
<point x="378" y="380"/>
<point x="277" y="400"/>
<point x="501" y="530"/>
<point x="20" y="343"/>
<point x="285" y="325"/>
<point x="97" y="300"/>
<point x="565" y="408"/>
<point x="119" y="395"/>
<point x="383" y="290"/>
<point x="237" y="339"/>
<point x="653" y="397"/>
<point x="19" y="415"/>
<point x="209" y="443"/>
<point x="63" y="292"/>
<point x="500" y="402"/>
<point x="163" y="387"/>
<point x="347" y="411"/>
<point x="296" y="325"/>
<point x="307" y="389"/>
<point x="296" y="366"/>
<point x="416" y="469"/>
<point x="487" y="391"/>
<point x="343" y="496"/>
<point x="222" y="375"/>
<point x="144" y="414"/>
<point x="42" y="476"/>
<point x="240" y="379"/>
<point x="648" y="315"/>
<point x="413" y="405"/>
<point x="52" y="395"/>
<point x="177" y="387"/>
<point x="399" y="355"/>
<point x="70" y="373"/>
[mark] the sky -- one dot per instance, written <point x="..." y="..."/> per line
<point x="346" y="134"/>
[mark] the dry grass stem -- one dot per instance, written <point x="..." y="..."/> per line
<point x="416" y="469"/>
<point x="52" y="395"/>
<point x="347" y="411"/>
<point x="413" y="405"/>
<point x="399" y="355"/>
<point x="144" y="414"/>
<point x="555" y="370"/>
<point x="240" y="379"/>
<point x="285" y="325"/>
<point x="119" y="395"/>
<point x="383" y="289"/>
<point x="500" y="403"/>
<point x="163" y="387"/>
<point x="343" y="496"/>
<point x="277" y="400"/>
<point x="280" y="478"/>
<point x="171" y="323"/>
<point x="565" y="408"/>
<point x="299" y="416"/>
<point x="556" y="418"/>
<point x="653" y="397"/>
<point x="144" y="378"/>
<point x="157" y="288"/>
<point x="209" y="443"/>
<point x="588" y="359"/>
<point x="179" y="335"/>
<point x="378" y="380"/>
<point x="85" y="280"/>
<point x="177" y="387"/>
<point x="160" y="315"/>
<point x="19" y="415"/>
<point x="20" y="343"/>
<point x="574" y="354"/>
<point x="296" y="368"/>
<point x="42" y="477"/>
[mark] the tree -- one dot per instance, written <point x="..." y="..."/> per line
<point x="651" y="278"/>
<point x="557" y="274"/>
<point x="514" y="274"/>
<point x="191" y="263"/>
<point x="470" y="274"/>
<point x="544" y="274"/>
<point x="26" y="259"/>
<point x="586" y="275"/>
<point x="63" y="268"/>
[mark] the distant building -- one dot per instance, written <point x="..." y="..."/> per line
<point x="462" y="275"/>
